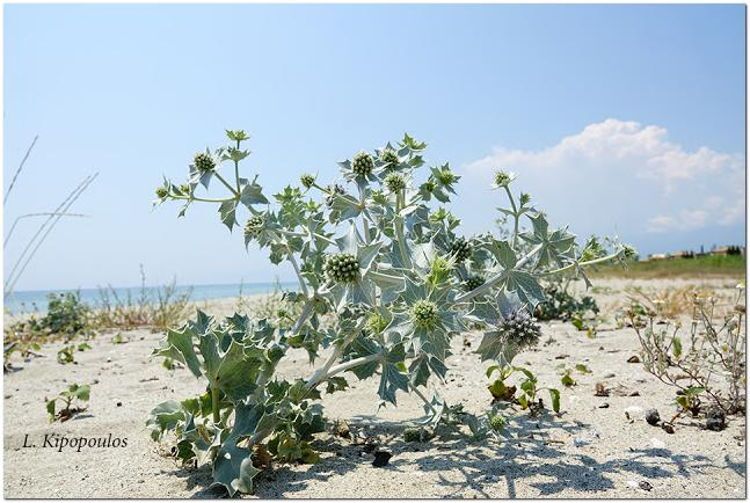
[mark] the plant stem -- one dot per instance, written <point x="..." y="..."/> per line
<point x="582" y="264"/>
<point x="497" y="278"/>
<point x="204" y="199"/>
<point x="399" y="229"/>
<point x="515" y="215"/>
<point x="231" y="189"/>
<point x="215" y="404"/>
<point x="322" y="372"/>
<point x="293" y="260"/>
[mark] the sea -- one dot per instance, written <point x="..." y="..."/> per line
<point x="36" y="300"/>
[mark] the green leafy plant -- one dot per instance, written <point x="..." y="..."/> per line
<point x="67" y="318"/>
<point x="385" y="264"/>
<point x="691" y="360"/>
<point x="76" y="393"/>
<point x="67" y="354"/>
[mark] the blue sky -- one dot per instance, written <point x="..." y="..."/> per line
<point x="618" y="119"/>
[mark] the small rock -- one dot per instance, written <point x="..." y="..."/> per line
<point x="716" y="420"/>
<point x="645" y="485"/>
<point x="381" y="459"/>
<point x="652" y="417"/>
<point x="610" y="375"/>
<point x="600" y="390"/>
<point x="119" y="404"/>
<point x="561" y="357"/>
<point x="634" y="359"/>
<point x="605" y="405"/>
<point x="667" y="427"/>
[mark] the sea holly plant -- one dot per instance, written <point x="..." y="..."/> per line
<point x="380" y="258"/>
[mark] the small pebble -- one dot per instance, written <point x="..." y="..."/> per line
<point x="645" y="485"/>
<point x="634" y="359"/>
<point x="382" y="458"/>
<point x="652" y="417"/>
<point x="605" y="405"/>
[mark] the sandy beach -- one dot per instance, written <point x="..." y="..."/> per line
<point x="591" y="450"/>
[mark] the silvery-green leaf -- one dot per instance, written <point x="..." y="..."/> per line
<point x="165" y="416"/>
<point x="227" y="212"/>
<point x="392" y="377"/>
<point x="252" y="193"/>
<point x="367" y="253"/>
<point x="233" y="467"/>
<point x="491" y="346"/>
<point x="179" y="346"/>
<point x="348" y="243"/>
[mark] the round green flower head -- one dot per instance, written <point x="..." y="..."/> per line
<point x="204" y="162"/>
<point x="362" y="164"/>
<point x="502" y="179"/>
<point x="389" y="156"/>
<point x="497" y="422"/>
<point x="525" y="198"/>
<point x="446" y="176"/>
<point x="376" y="323"/>
<point x="185" y="188"/>
<point x="425" y="314"/>
<point x="254" y="226"/>
<point x="342" y="268"/>
<point x="474" y="282"/>
<point x="161" y="192"/>
<point x="395" y="182"/>
<point x="461" y="249"/>
<point x="307" y="180"/>
<point x="521" y="329"/>
<point x="429" y="186"/>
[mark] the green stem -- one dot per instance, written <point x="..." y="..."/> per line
<point x="231" y="189"/>
<point x="515" y="215"/>
<point x="204" y="199"/>
<point x="237" y="170"/>
<point x="582" y="264"/>
<point x="215" y="404"/>
<point x="293" y="260"/>
<point x="399" y="229"/>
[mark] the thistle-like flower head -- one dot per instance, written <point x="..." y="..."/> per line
<point x="362" y="164"/>
<point x="425" y="313"/>
<point x="461" y="249"/>
<point x="204" y="162"/>
<point x="473" y="282"/>
<point x="395" y="182"/>
<point x="161" y="192"/>
<point x="389" y="156"/>
<point x="520" y="329"/>
<point x="307" y="180"/>
<point x="341" y="268"/>
<point x="253" y="226"/>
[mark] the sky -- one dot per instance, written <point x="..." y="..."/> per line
<point x="623" y="120"/>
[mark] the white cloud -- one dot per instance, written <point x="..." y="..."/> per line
<point x="627" y="176"/>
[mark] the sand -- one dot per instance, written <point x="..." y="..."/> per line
<point x="587" y="452"/>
